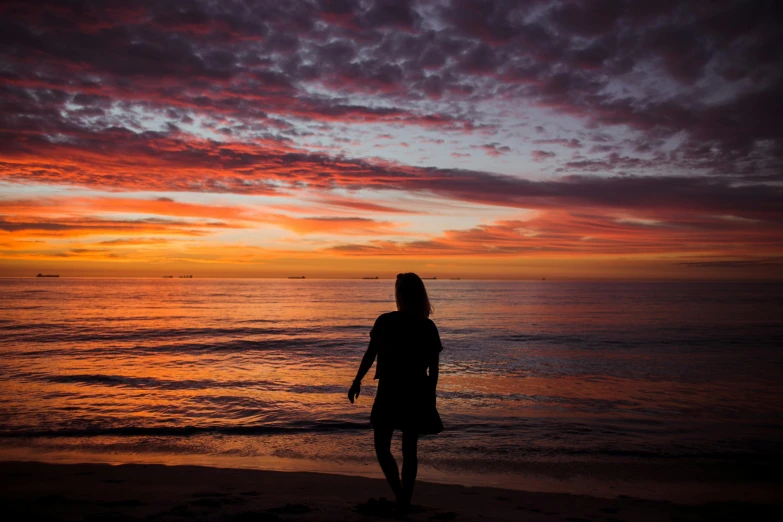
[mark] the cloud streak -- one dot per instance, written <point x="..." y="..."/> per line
<point x="560" y="233"/>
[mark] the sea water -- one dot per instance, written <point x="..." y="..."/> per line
<point x="542" y="382"/>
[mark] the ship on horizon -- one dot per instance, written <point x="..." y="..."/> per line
<point x="376" y="277"/>
<point x="48" y="275"/>
<point x="296" y="277"/>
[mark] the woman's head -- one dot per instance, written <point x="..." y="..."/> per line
<point x="411" y="296"/>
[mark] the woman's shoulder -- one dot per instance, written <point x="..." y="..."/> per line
<point x="388" y="316"/>
<point x="397" y="316"/>
<point x="383" y="320"/>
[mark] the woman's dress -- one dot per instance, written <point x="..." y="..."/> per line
<point x="406" y="347"/>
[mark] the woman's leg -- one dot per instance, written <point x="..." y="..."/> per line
<point x="383" y="437"/>
<point x="410" y="463"/>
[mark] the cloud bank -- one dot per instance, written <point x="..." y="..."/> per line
<point x="624" y="127"/>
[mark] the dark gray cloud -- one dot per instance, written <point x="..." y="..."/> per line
<point x="701" y="83"/>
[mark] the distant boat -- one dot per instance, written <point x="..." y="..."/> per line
<point x="454" y="278"/>
<point x="167" y="277"/>
<point x="376" y="277"/>
<point x="186" y="277"/>
<point x="296" y="277"/>
<point x="48" y="275"/>
<point x="429" y="277"/>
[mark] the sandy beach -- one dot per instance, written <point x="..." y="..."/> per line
<point x="32" y="490"/>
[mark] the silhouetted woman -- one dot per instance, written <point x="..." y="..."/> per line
<point x="408" y="346"/>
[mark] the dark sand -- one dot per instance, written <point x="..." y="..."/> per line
<point x="38" y="491"/>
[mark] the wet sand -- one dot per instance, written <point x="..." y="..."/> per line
<point x="33" y="490"/>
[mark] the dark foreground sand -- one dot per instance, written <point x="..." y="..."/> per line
<point x="37" y="491"/>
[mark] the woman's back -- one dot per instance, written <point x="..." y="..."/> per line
<point x="406" y="345"/>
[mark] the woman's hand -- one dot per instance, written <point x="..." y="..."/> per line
<point x="353" y="392"/>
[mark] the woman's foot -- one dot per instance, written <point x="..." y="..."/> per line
<point x="377" y="508"/>
<point x="402" y="507"/>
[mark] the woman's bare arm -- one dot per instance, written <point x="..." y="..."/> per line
<point x="435" y="370"/>
<point x="364" y="367"/>
<point x="367" y="360"/>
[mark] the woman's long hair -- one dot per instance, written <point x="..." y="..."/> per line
<point x="411" y="296"/>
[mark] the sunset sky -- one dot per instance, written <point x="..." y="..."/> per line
<point x="579" y="139"/>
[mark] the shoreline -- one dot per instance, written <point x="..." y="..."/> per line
<point x="155" y="491"/>
<point x="680" y="482"/>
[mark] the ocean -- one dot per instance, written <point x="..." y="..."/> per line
<point x="597" y="388"/>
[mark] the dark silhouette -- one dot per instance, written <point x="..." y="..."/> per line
<point x="407" y="345"/>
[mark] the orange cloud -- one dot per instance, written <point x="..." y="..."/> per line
<point x="159" y="206"/>
<point x="567" y="233"/>
<point x="337" y="225"/>
<point x="134" y="242"/>
<point x="60" y="216"/>
<point x="363" y="206"/>
<point x="70" y="227"/>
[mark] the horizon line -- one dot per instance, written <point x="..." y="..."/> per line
<point x="364" y="278"/>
